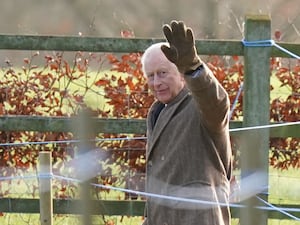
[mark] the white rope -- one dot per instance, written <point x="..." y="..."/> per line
<point x="269" y="206"/>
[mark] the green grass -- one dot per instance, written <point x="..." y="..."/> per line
<point x="283" y="189"/>
<point x="284" y="186"/>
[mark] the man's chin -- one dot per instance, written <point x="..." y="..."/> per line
<point x="163" y="100"/>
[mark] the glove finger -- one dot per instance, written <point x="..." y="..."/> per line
<point x="167" y="30"/>
<point x="174" y="24"/>
<point x="170" y="53"/>
<point x="190" y="36"/>
<point x="178" y="30"/>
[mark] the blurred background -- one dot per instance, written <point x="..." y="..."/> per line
<point x="210" y="19"/>
<point x="222" y="19"/>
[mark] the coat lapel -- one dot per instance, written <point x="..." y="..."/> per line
<point x="163" y="119"/>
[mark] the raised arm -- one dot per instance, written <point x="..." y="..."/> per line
<point x="210" y="96"/>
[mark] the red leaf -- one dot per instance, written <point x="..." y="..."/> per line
<point x="53" y="66"/>
<point x="26" y="60"/>
<point x="277" y="35"/>
<point x="2" y="110"/>
<point x="130" y="83"/>
<point x="102" y="82"/>
<point x="127" y="34"/>
<point x="235" y="58"/>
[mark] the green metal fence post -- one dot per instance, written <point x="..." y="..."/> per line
<point x="256" y="110"/>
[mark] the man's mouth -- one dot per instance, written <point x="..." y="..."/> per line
<point x="161" y="91"/>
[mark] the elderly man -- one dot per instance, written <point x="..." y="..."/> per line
<point x="188" y="147"/>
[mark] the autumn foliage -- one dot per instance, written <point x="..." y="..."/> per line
<point x="62" y="87"/>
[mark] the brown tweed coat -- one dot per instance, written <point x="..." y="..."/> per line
<point x="189" y="156"/>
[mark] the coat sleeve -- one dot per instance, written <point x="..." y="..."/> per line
<point x="211" y="98"/>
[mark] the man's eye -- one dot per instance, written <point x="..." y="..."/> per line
<point x="150" y="76"/>
<point x="162" y="73"/>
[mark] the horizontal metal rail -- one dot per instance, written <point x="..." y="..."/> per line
<point x="125" y="45"/>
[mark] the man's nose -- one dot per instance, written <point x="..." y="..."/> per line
<point x="156" y="80"/>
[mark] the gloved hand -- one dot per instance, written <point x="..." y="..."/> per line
<point x="182" y="51"/>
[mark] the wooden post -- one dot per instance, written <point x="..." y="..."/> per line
<point x="45" y="188"/>
<point x="85" y="129"/>
<point x="256" y="110"/>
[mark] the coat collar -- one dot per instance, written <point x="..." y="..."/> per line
<point x="163" y="119"/>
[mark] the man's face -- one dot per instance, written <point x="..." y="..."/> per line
<point x="164" y="80"/>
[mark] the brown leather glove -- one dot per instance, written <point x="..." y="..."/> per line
<point x="182" y="51"/>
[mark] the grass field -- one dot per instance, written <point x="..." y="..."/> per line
<point x="283" y="189"/>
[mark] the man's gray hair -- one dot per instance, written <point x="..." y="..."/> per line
<point x="149" y="50"/>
